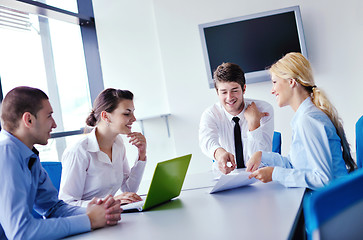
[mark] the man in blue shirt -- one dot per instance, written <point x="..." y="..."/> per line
<point x="27" y="120"/>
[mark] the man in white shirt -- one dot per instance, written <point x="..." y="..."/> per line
<point x="217" y="125"/>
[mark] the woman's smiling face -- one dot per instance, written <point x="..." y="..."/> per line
<point x="122" y="118"/>
<point x="282" y="90"/>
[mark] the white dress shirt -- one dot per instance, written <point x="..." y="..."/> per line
<point x="216" y="130"/>
<point x="88" y="172"/>
<point x="315" y="156"/>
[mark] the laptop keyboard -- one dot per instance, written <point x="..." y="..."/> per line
<point x="135" y="205"/>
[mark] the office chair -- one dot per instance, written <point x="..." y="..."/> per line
<point x="54" y="170"/>
<point x="334" y="211"/>
<point x="276" y="142"/>
<point x="359" y="141"/>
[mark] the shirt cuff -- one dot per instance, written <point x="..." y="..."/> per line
<point x="212" y="150"/>
<point x="79" y="224"/>
<point x="138" y="158"/>
<point x="255" y="134"/>
<point x="284" y="176"/>
<point x="266" y="158"/>
<point x="275" y="173"/>
<point x="138" y="162"/>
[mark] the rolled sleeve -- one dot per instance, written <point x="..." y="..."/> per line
<point x="260" y="139"/>
<point x="209" y="134"/>
<point x="133" y="177"/>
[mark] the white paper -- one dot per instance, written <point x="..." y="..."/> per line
<point x="237" y="178"/>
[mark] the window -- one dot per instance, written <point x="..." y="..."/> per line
<point x="69" y="5"/>
<point x="49" y="52"/>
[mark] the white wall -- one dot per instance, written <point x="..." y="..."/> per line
<point x="163" y="36"/>
<point x="130" y="59"/>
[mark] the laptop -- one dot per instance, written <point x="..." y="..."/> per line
<point x="166" y="183"/>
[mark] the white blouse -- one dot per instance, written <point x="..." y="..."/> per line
<point x="88" y="172"/>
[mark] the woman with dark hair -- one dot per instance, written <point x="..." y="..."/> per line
<point x="319" y="150"/>
<point x="97" y="166"/>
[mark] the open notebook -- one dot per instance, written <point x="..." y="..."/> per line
<point x="235" y="179"/>
<point x="166" y="183"/>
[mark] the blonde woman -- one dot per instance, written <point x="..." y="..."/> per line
<point x="319" y="150"/>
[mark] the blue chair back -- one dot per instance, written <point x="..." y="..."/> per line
<point x="276" y="142"/>
<point x="54" y="170"/>
<point x="359" y="141"/>
<point x="334" y="211"/>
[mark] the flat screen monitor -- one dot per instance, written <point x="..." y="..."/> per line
<point x="254" y="42"/>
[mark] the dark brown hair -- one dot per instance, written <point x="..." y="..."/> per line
<point x="18" y="101"/>
<point x="108" y="101"/>
<point x="229" y="72"/>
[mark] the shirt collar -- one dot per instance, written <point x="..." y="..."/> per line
<point x="24" y="151"/>
<point x="240" y="115"/>
<point x="33" y="159"/>
<point x="306" y="104"/>
<point x="92" y="142"/>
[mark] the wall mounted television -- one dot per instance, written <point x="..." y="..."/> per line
<point x="254" y="42"/>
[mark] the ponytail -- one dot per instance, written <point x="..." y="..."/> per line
<point x="322" y="102"/>
<point x="91" y="119"/>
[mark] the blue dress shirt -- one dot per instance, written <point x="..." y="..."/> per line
<point x="24" y="186"/>
<point x="315" y="156"/>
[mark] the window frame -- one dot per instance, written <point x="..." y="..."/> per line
<point x="85" y="19"/>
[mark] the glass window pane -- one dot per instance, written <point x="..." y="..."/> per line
<point x="71" y="74"/>
<point x="68" y="5"/>
<point x="53" y="151"/>
<point x="21" y="58"/>
<point x="22" y="64"/>
<point x="62" y="75"/>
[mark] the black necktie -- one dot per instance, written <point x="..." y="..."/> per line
<point x="238" y="144"/>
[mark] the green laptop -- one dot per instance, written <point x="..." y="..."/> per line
<point x="166" y="183"/>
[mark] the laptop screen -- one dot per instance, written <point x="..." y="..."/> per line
<point x="167" y="181"/>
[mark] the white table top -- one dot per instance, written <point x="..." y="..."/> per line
<point x="259" y="211"/>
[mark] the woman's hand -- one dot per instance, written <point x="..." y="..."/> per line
<point x="263" y="174"/>
<point x="128" y="197"/>
<point x="138" y="140"/>
<point x="254" y="162"/>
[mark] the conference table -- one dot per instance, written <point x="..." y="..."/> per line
<point x="257" y="211"/>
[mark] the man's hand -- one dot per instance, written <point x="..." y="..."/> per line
<point x="253" y="116"/>
<point x="223" y="158"/>
<point x="263" y="174"/>
<point x="96" y="213"/>
<point x="104" y="212"/>
<point x="113" y="210"/>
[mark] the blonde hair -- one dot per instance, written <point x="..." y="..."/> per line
<point x="296" y="66"/>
